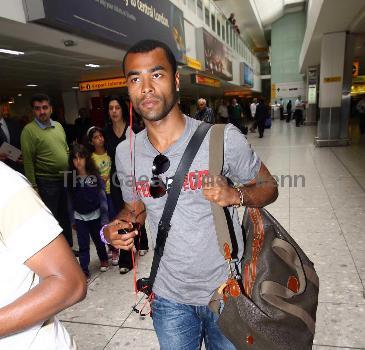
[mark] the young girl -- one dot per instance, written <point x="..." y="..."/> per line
<point x="103" y="165"/>
<point x="89" y="206"/>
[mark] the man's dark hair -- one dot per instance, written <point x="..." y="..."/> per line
<point x="149" y="45"/>
<point x="40" y="98"/>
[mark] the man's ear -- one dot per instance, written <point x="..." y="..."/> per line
<point x="177" y="81"/>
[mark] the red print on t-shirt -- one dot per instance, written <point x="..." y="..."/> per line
<point x="193" y="181"/>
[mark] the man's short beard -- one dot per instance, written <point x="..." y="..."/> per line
<point x="165" y="111"/>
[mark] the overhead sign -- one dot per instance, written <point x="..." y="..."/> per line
<point x="290" y="90"/>
<point x="216" y="57"/>
<point x="238" y="93"/>
<point x="355" y="68"/>
<point x="119" y="22"/>
<point x="103" y="84"/>
<point x="193" y="63"/>
<point x="312" y="76"/>
<point x="332" y="79"/>
<point x="206" y="81"/>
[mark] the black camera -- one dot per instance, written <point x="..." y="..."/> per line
<point x="135" y="227"/>
<point x="144" y="286"/>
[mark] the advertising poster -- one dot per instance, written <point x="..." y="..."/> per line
<point x="247" y="75"/>
<point x="118" y="22"/>
<point x="216" y="57"/>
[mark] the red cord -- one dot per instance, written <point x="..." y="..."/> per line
<point x="135" y="261"/>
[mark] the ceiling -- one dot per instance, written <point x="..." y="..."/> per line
<point x="56" y="68"/>
<point x="47" y="62"/>
<point x="333" y="16"/>
<point x="271" y="10"/>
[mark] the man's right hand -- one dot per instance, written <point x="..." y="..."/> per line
<point x="123" y="241"/>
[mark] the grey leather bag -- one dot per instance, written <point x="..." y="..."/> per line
<point x="272" y="304"/>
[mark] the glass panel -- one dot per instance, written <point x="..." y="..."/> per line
<point x="212" y="19"/>
<point x="206" y="10"/>
<point x="223" y="32"/>
<point x="200" y="8"/>
<point x="218" y="28"/>
<point x="227" y="32"/>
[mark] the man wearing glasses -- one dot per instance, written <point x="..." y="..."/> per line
<point x="192" y="266"/>
<point x="45" y="156"/>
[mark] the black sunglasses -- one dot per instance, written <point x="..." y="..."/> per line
<point x="160" y="165"/>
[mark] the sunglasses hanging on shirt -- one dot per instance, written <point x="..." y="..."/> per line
<point x="159" y="166"/>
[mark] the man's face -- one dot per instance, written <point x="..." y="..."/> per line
<point x="42" y="111"/>
<point x="151" y="84"/>
<point x="234" y="101"/>
<point x="201" y="105"/>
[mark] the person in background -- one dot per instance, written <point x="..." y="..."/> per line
<point x="253" y="115"/>
<point x="82" y="124"/>
<point x="88" y="206"/>
<point x="103" y="164"/>
<point x="288" y="111"/>
<point x="10" y="133"/>
<point x="223" y="112"/>
<point x="360" y="107"/>
<point x="115" y="132"/>
<point x="261" y="115"/>
<point x="235" y="114"/>
<point x="281" y="108"/>
<point x="45" y="156"/>
<point x="39" y="276"/>
<point x="298" y="113"/>
<point x="204" y="113"/>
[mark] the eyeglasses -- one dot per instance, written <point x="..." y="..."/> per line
<point x="38" y="108"/>
<point x="160" y="165"/>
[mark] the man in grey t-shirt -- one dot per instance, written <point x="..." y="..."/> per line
<point x="192" y="266"/>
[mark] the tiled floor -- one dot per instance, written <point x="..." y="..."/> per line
<point x="326" y="217"/>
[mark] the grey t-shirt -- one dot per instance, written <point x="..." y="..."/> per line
<point x="192" y="266"/>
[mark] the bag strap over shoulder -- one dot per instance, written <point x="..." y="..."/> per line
<point x="216" y="161"/>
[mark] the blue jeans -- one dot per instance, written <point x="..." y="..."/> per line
<point x="184" y="327"/>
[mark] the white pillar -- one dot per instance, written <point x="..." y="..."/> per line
<point x="336" y="61"/>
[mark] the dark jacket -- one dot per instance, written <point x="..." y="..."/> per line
<point x="14" y="131"/>
<point x="261" y="112"/>
<point x="206" y="115"/>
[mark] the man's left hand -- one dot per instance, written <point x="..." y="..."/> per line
<point x="220" y="192"/>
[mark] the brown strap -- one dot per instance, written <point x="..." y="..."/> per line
<point x="275" y="293"/>
<point x="216" y="159"/>
<point x="289" y="255"/>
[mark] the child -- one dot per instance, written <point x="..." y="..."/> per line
<point x="103" y="165"/>
<point x="89" y="206"/>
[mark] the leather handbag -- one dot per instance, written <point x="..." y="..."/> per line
<point x="271" y="302"/>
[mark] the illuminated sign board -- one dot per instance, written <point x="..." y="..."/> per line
<point x="206" y="81"/>
<point x="103" y="84"/>
<point x="194" y="64"/>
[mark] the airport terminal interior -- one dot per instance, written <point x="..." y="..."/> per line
<point x="302" y="62"/>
